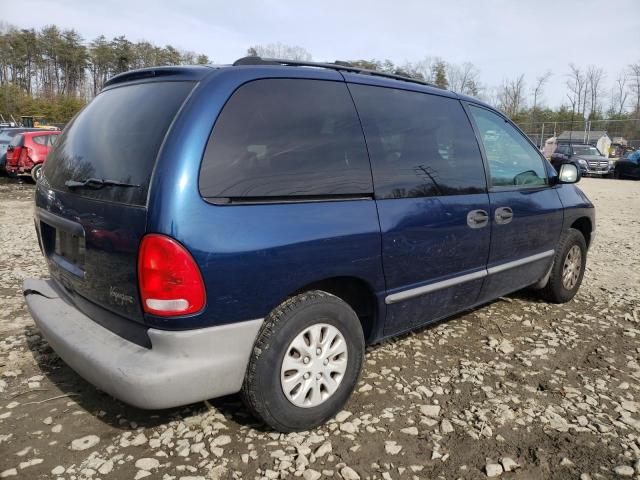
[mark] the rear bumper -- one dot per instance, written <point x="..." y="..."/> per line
<point x="181" y="367"/>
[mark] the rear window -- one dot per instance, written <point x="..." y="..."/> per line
<point x="117" y="137"/>
<point x="290" y="138"/>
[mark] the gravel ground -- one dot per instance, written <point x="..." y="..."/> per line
<point x="516" y="389"/>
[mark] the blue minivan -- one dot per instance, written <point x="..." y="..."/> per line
<point x="250" y="228"/>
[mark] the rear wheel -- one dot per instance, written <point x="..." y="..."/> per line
<point x="568" y="268"/>
<point x="305" y="362"/>
<point x="36" y="172"/>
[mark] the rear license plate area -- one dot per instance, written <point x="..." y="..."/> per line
<point x="65" y="249"/>
<point x="70" y="247"/>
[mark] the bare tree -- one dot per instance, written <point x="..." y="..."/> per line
<point x="511" y="96"/>
<point x="538" y="89"/>
<point x="572" y="101"/>
<point x="280" y="50"/>
<point x="490" y="95"/>
<point x="594" y="84"/>
<point x="635" y="84"/>
<point x="577" y="88"/>
<point x="619" y="94"/>
<point x="464" y="78"/>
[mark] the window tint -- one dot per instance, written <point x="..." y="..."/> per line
<point x="512" y="159"/>
<point x="283" y="138"/>
<point x="117" y="137"/>
<point x="420" y="144"/>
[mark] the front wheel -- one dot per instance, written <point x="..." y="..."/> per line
<point x="305" y="362"/>
<point x="568" y="268"/>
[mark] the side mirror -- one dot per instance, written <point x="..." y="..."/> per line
<point x="568" y="173"/>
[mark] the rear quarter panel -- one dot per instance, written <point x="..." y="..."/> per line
<point x="39" y="152"/>
<point x="252" y="257"/>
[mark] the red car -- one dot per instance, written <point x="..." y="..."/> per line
<point x="27" y="152"/>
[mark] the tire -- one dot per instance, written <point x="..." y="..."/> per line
<point x="557" y="290"/>
<point x="263" y="390"/>
<point x="36" y="172"/>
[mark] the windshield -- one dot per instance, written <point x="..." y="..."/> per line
<point x="586" y="150"/>
<point x="117" y="137"/>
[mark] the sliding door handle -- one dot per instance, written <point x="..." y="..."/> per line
<point x="477" y="218"/>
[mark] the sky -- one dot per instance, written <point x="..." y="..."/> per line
<point x="502" y="38"/>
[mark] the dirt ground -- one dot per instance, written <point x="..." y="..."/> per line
<point x="539" y="391"/>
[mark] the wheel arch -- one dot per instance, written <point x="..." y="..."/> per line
<point x="584" y="226"/>
<point x="357" y="293"/>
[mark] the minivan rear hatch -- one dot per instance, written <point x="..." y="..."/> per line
<point x="91" y="201"/>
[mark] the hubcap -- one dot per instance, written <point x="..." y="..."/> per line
<point x="314" y="365"/>
<point x="571" y="268"/>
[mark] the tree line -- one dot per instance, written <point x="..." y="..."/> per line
<point x="53" y="71"/>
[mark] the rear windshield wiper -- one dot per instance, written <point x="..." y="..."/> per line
<point x="97" y="183"/>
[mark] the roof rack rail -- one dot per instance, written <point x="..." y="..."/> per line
<point x="337" y="65"/>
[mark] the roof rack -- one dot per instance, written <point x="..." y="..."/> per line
<point x="337" y="65"/>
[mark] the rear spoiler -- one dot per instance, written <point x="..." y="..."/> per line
<point x="182" y="72"/>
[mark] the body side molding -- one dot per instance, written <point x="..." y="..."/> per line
<point x="432" y="287"/>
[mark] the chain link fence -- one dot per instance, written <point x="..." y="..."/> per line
<point x="622" y="133"/>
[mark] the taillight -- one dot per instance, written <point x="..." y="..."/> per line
<point x="13" y="155"/>
<point x="169" y="279"/>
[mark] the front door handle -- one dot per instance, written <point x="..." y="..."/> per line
<point x="477" y="218"/>
<point x="503" y="215"/>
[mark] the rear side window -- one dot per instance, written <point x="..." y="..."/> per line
<point x="41" y="139"/>
<point x="421" y="145"/>
<point x="286" y="138"/>
<point x="117" y="137"/>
